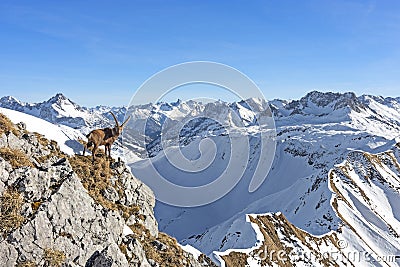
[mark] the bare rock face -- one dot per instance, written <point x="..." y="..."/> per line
<point x="49" y="216"/>
<point x="67" y="220"/>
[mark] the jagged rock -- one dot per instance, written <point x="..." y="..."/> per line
<point x="139" y="194"/>
<point x="111" y="256"/>
<point x="32" y="183"/>
<point x="135" y="252"/>
<point x="159" y="245"/>
<point x="5" y="169"/>
<point x="2" y="187"/>
<point x="98" y="259"/>
<point x="70" y="222"/>
<point x="21" y="126"/>
<point x="27" y="143"/>
<point x="14" y="142"/>
<point x="8" y="254"/>
<point x="111" y="194"/>
<point x="3" y="140"/>
<point x="153" y="263"/>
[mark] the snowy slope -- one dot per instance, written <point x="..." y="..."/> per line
<point x="365" y="195"/>
<point x="314" y="134"/>
<point x="61" y="110"/>
<point x="65" y="136"/>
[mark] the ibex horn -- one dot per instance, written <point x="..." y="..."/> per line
<point x="115" y="118"/>
<point x="122" y="125"/>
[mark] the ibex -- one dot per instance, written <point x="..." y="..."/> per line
<point x="104" y="137"/>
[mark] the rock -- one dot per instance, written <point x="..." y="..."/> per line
<point x="159" y="245"/>
<point x="111" y="194"/>
<point x="14" y="142"/>
<point x="8" y="254"/>
<point x="5" y="169"/>
<point x="21" y="126"/>
<point x="70" y="222"/>
<point x="2" y="188"/>
<point x="99" y="260"/>
<point x="153" y="263"/>
<point x="111" y="256"/>
<point x="135" y="252"/>
<point x="139" y="194"/>
<point x="34" y="185"/>
<point x="3" y="140"/>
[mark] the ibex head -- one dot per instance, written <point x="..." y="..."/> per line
<point x="117" y="130"/>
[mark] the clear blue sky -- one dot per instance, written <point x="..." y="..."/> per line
<point x="100" y="52"/>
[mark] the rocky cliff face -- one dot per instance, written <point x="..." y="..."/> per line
<point x="57" y="210"/>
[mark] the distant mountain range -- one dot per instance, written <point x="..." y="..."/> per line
<point x="335" y="176"/>
<point x="61" y="110"/>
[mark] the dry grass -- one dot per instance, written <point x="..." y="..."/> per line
<point x="42" y="140"/>
<point x="15" y="157"/>
<point x="26" y="264"/>
<point x="6" y="126"/>
<point x="10" y="211"/>
<point x="95" y="177"/>
<point x="336" y="190"/>
<point x="54" y="258"/>
<point x="51" y="146"/>
<point x="35" y="205"/>
<point x="269" y="224"/>
<point x="203" y="259"/>
<point x="170" y="257"/>
<point x="235" y="259"/>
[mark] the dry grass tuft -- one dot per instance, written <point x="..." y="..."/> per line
<point x="10" y="211"/>
<point x="15" y="157"/>
<point x="42" y="139"/>
<point x="6" y="126"/>
<point x="26" y="264"/>
<point x="95" y="177"/>
<point x="235" y="259"/>
<point x="172" y="256"/>
<point x="51" y="146"/>
<point x="54" y="258"/>
<point x="269" y="225"/>
<point x="35" y="205"/>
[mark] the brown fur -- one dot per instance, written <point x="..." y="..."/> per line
<point x="104" y="137"/>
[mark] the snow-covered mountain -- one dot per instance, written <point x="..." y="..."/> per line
<point x="314" y="134"/>
<point x="71" y="118"/>
<point x="334" y="177"/>
<point x="61" y="110"/>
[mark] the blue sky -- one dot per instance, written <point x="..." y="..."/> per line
<point x="100" y="52"/>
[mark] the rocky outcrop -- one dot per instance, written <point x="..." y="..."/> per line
<point x="72" y="213"/>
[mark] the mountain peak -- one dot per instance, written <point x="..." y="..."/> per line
<point x="59" y="98"/>
<point x="9" y="100"/>
<point x="325" y="102"/>
<point x="325" y="98"/>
